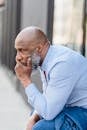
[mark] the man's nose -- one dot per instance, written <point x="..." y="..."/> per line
<point x="18" y="58"/>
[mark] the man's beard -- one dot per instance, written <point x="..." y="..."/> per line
<point x="35" y="61"/>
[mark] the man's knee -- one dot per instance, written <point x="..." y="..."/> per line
<point x="38" y="126"/>
<point x="44" y="125"/>
<point x="35" y="127"/>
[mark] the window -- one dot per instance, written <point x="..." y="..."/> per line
<point x="68" y="23"/>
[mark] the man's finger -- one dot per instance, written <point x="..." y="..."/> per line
<point x="18" y="65"/>
<point x="29" y="62"/>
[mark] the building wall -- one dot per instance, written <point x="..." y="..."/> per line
<point x="34" y="12"/>
<point x="8" y="33"/>
<point x="1" y="27"/>
<point x="16" y="16"/>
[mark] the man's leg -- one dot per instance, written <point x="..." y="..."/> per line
<point x="63" y="122"/>
<point x="69" y="124"/>
<point x="72" y="118"/>
<point x="44" y="125"/>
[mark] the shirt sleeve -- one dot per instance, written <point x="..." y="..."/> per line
<point x="35" y="112"/>
<point x="62" y="79"/>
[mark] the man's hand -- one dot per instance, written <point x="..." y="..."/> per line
<point x="23" y="73"/>
<point x="32" y="120"/>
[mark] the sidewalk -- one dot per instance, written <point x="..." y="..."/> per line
<point x="13" y="110"/>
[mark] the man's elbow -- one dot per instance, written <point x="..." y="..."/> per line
<point x="49" y="116"/>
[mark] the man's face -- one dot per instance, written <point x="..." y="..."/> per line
<point x="24" y="50"/>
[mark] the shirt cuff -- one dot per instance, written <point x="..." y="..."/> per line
<point x="35" y="112"/>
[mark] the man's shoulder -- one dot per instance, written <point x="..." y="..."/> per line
<point x="60" y="54"/>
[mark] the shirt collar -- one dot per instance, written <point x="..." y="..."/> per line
<point x="46" y="59"/>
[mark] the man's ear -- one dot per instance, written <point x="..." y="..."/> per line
<point x="39" y="48"/>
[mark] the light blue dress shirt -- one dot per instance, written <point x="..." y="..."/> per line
<point x="64" y="83"/>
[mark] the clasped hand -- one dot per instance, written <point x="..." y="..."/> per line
<point x="23" y="72"/>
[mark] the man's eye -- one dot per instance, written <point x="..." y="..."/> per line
<point x="19" y="50"/>
<point x="25" y="50"/>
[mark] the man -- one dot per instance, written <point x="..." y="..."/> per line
<point x="63" y="103"/>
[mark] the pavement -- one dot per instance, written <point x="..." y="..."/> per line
<point x="14" y="112"/>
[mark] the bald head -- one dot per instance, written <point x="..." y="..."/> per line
<point x="31" y="35"/>
<point x="31" y="40"/>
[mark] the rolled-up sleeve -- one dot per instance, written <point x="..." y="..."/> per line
<point x="62" y="79"/>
